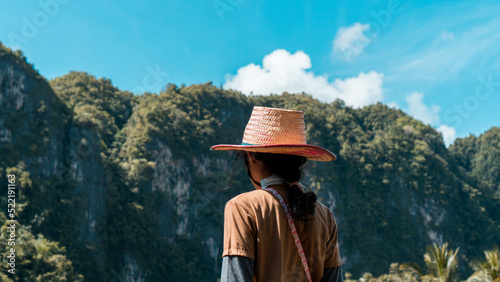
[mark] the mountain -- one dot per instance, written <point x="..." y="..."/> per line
<point x="127" y="186"/>
<point x="34" y="126"/>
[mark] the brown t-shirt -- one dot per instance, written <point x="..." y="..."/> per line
<point x="255" y="226"/>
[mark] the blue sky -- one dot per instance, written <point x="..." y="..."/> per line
<point x="437" y="60"/>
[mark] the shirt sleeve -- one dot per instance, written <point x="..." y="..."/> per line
<point x="333" y="274"/>
<point x="332" y="258"/>
<point x="239" y="229"/>
<point x="236" y="268"/>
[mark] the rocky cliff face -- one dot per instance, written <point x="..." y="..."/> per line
<point x="135" y="194"/>
<point x="187" y="197"/>
<point x="86" y="170"/>
<point x="29" y="120"/>
<point x="36" y="128"/>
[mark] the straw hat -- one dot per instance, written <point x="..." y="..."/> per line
<point x="278" y="131"/>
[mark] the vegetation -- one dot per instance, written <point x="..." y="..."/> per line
<point x="115" y="186"/>
<point x="487" y="269"/>
<point x="441" y="263"/>
<point x="96" y="104"/>
<point x="36" y="258"/>
<point x="397" y="273"/>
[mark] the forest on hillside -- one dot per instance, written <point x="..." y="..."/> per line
<point x="113" y="186"/>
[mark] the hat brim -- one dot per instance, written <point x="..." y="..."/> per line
<point x="311" y="152"/>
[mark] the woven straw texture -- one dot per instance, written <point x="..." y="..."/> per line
<point x="270" y="126"/>
<point x="278" y="131"/>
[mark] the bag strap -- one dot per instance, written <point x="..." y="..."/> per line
<point x="294" y="232"/>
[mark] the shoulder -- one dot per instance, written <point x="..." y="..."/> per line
<point x="250" y="200"/>
<point x="324" y="212"/>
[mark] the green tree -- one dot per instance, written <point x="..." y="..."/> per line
<point x="397" y="273"/>
<point x="487" y="270"/>
<point x="441" y="263"/>
<point x="36" y="258"/>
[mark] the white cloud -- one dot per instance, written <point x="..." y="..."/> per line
<point x="429" y="115"/>
<point x="362" y="90"/>
<point x="449" y="134"/>
<point x="421" y="111"/>
<point x="350" y="41"/>
<point x="282" y="71"/>
<point x="393" y="105"/>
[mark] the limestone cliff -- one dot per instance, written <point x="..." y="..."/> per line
<point x="128" y="185"/>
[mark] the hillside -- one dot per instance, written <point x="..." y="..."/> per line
<point x="127" y="184"/>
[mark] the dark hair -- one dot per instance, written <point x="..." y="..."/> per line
<point x="289" y="167"/>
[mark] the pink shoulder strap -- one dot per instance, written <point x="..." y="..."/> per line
<point x="294" y="232"/>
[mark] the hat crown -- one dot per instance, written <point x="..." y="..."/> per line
<point x="272" y="126"/>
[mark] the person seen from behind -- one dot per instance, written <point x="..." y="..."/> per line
<point x="279" y="231"/>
